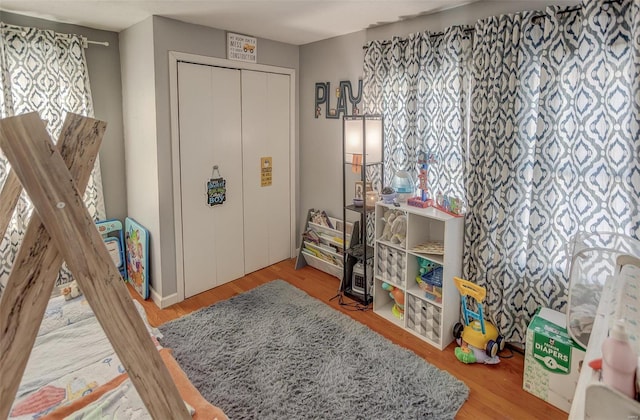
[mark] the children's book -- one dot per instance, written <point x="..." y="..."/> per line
<point x="137" y="253"/>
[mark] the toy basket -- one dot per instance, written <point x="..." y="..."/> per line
<point x="431" y="284"/>
<point x="433" y="277"/>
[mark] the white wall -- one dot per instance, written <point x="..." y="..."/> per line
<point x="139" y="110"/>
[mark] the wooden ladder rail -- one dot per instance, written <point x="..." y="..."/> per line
<point x="70" y="229"/>
<point x="37" y="262"/>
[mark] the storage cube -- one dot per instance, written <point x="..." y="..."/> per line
<point x="423" y="317"/>
<point x="390" y="265"/>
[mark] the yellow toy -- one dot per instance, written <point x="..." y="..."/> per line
<point x="479" y="340"/>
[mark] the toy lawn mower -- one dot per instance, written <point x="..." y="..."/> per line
<point x="478" y="339"/>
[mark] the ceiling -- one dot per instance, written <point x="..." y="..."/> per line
<point x="295" y="22"/>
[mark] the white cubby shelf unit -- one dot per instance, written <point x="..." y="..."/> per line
<point x="429" y="316"/>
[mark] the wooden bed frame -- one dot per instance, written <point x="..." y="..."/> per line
<point x="62" y="229"/>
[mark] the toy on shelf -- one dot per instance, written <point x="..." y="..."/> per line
<point x="425" y="265"/>
<point x="429" y="279"/>
<point x="398" y="298"/>
<point x="425" y="199"/>
<point x="430" y="247"/>
<point x="449" y="204"/>
<point x="417" y="202"/>
<point x="395" y="227"/>
<point x="478" y="339"/>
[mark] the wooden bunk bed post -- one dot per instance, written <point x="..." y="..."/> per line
<point x="38" y="262"/>
<point x="50" y="185"/>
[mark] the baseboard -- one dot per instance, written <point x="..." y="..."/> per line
<point x="163" y="302"/>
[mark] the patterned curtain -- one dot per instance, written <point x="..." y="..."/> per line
<point x="43" y="71"/>
<point x="419" y="85"/>
<point x="554" y="150"/>
<point x="505" y="86"/>
<point x="606" y="153"/>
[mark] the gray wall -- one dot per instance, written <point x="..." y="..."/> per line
<point x="321" y="160"/>
<point x="106" y="88"/>
<point x="341" y="58"/>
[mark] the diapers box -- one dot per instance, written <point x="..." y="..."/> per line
<point x="552" y="359"/>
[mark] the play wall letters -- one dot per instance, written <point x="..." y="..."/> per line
<point x="343" y="93"/>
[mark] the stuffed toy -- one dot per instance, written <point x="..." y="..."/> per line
<point x="71" y="290"/>
<point x="399" y="230"/>
<point x="388" y="218"/>
<point x="425" y="265"/>
<point x="395" y="227"/>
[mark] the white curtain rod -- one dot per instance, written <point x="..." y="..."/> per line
<point x="103" y="43"/>
<point x="85" y="41"/>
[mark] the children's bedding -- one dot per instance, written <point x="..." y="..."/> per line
<point x="72" y="358"/>
<point x="102" y="402"/>
<point x="121" y="402"/>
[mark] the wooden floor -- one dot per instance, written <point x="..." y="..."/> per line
<point x="496" y="391"/>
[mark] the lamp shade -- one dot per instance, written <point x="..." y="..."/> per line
<point x="373" y="132"/>
<point x="358" y="128"/>
<point x="353" y="136"/>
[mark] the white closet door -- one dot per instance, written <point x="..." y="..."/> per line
<point x="265" y="133"/>
<point x="210" y="134"/>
